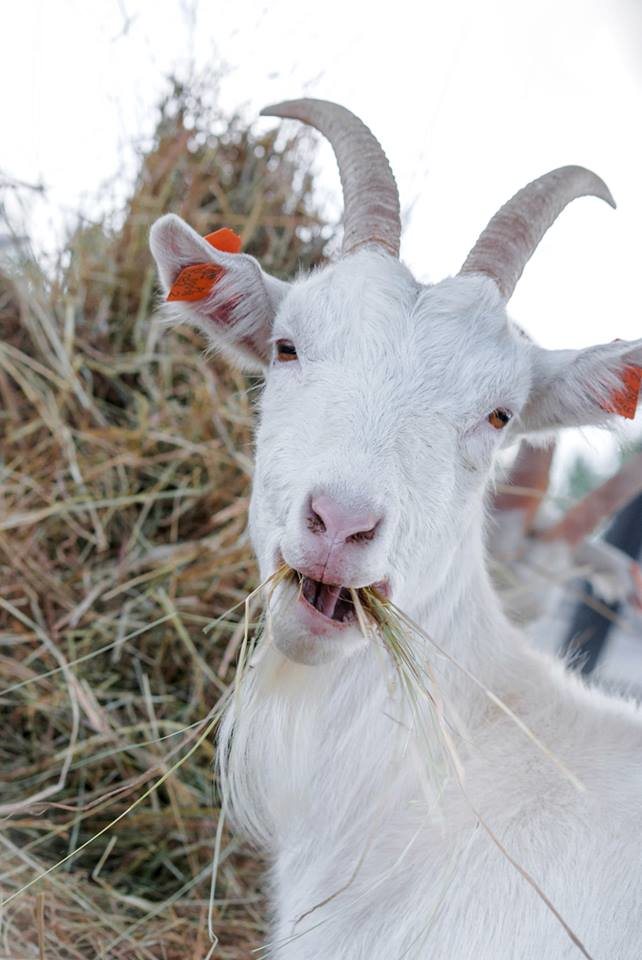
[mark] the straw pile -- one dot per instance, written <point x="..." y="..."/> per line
<point x="125" y="463"/>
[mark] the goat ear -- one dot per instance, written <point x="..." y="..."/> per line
<point x="225" y="294"/>
<point x="580" y="388"/>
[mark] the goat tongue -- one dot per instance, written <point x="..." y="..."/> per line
<point x="327" y="598"/>
<point x="323" y="596"/>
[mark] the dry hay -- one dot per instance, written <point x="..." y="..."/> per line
<point x="125" y="462"/>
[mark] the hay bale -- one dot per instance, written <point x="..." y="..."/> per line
<point x="125" y="463"/>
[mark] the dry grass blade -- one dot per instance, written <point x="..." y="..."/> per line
<point x="124" y="483"/>
<point x="554" y="759"/>
<point x="121" y="816"/>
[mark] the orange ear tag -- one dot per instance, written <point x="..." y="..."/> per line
<point x="195" y="282"/>
<point x="625" y="401"/>
<point x="225" y="240"/>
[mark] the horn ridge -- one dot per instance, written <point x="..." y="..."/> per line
<point x="512" y="235"/>
<point x="370" y="197"/>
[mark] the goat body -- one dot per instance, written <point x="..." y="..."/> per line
<point x="385" y="406"/>
<point x="330" y="785"/>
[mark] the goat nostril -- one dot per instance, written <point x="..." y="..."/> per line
<point x="341" y="523"/>
<point x="315" y="523"/>
<point x="363" y="536"/>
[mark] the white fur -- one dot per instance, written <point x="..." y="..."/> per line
<point x="389" y="399"/>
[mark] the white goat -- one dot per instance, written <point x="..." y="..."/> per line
<point x="384" y="405"/>
<point x="533" y="560"/>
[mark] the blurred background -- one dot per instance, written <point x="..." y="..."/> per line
<point x="125" y="453"/>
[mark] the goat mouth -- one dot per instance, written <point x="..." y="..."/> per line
<point x="334" y="602"/>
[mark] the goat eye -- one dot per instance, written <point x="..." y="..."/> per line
<point x="499" y="418"/>
<point x="285" y="351"/>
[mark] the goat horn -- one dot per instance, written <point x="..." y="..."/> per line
<point x="506" y="245"/>
<point x="370" y="197"/>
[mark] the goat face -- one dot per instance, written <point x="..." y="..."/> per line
<point x="385" y="401"/>
<point x="375" y="442"/>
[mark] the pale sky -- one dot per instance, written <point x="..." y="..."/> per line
<point x="470" y="99"/>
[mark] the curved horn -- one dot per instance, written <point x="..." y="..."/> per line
<point x="370" y="198"/>
<point x="510" y="239"/>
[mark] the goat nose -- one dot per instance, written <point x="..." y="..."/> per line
<point x="339" y="523"/>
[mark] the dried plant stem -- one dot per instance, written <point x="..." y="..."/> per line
<point x="568" y="774"/>
<point x="213" y="721"/>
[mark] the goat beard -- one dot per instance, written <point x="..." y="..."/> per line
<point x="281" y="718"/>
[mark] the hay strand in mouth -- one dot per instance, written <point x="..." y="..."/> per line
<point x="420" y="692"/>
<point x="497" y="701"/>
